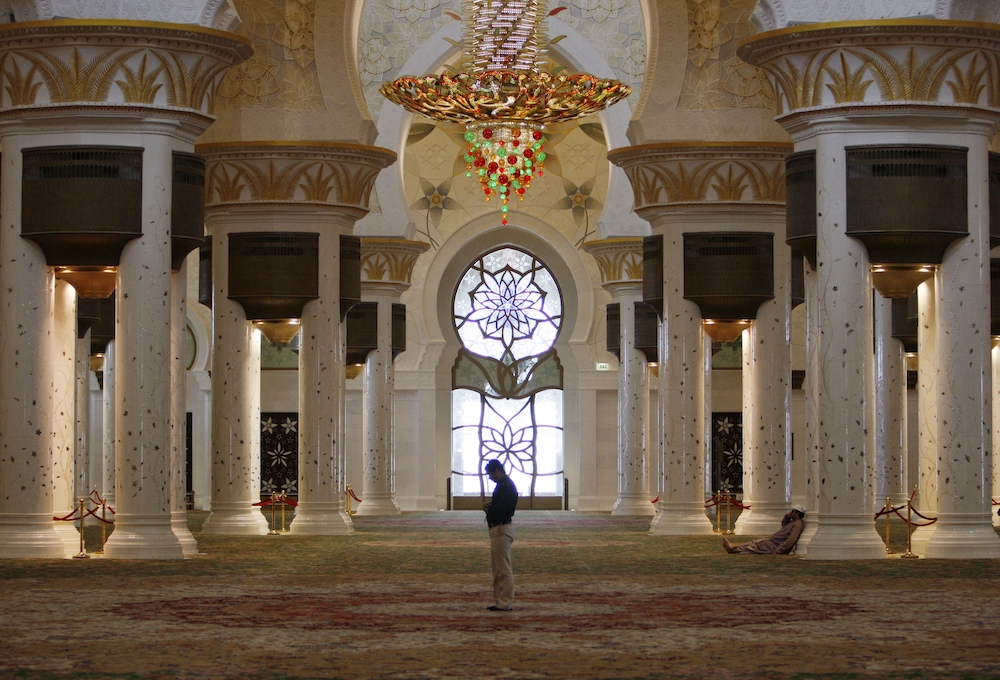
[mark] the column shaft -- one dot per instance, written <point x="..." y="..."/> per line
<point x="890" y="408"/>
<point x="178" y="412"/>
<point x="995" y="359"/>
<point x="108" y="427"/>
<point x="845" y="436"/>
<point x="767" y="484"/>
<point x="235" y="406"/>
<point x="925" y="499"/>
<point x="810" y="448"/>
<point x="633" y="414"/>
<point x="84" y="477"/>
<point x="26" y="375"/>
<point x="682" y="402"/>
<point x="321" y="408"/>
<point x="964" y="474"/>
<point x="64" y="414"/>
<point x="378" y="420"/>
<point x="142" y="413"/>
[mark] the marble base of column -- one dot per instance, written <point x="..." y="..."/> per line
<point x="921" y="537"/>
<point x="963" y="537"/>
<point x="681" y="519"/>
<point x="321" y="519"/>
<point x="143" y="537"/>
<point x="234" y="519"/>
<point x="637" y="505"/>
<point x="802" y="546"/>
<point x="763" y="517"/>
<point x="69" y="535"/>
<point x="845" y="537"/>
<point x="178" y="524"/>
<point x="30" y="536"/>
<point x="374" y="504"/>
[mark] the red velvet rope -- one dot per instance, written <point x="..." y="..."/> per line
<point x="655" y="500"/>
<point x="996" y="502"/>
<point x="715" y="501"/>
<point x="885" y="511"/>
<point x="269" y="501"/>
<point x="353" y="495"/>
<point x="915" y="524"/>
<point x="733" y="501"/>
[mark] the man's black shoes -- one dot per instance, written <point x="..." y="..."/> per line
<point x="494" y="608"/>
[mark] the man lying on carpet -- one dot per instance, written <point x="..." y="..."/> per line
<point x="781" y="541"/>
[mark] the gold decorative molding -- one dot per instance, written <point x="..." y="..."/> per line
<point x="618" y="259"/>
<point x="690" y="173"/>
<point x="389" y="260"/>
<point x="880" y="62"/>
<point x="46" y="64"/>
<point x="321" y="173"/>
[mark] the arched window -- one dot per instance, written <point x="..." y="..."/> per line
<point x="507" y="381"/>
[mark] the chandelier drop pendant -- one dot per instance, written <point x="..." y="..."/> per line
<point x="505" y="96"/>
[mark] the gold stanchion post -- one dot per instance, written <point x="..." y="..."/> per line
<point x="909" y="529"/>
<point x="888" y="511"/>
<point x="273" y="531"/>
<point x="347" y="496"/>
<point x="718" y="511"/>
<point x="104" y="526"/>
<point x="284" y="497"/>
<point x="729" y="514"/>
<point x="83" y="548"/>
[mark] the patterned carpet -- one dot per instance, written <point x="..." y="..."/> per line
<point x="405" y="598"/>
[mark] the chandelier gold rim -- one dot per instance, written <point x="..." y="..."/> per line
<point x="491" y="96"/>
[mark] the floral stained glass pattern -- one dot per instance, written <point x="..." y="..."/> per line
<point x="727" y="451"/>
<point x="279" y="453"/>
<point x="507" y="402"/>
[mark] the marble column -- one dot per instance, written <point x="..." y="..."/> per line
<point x="235" y="404"/>
<point x="995" y="357"/>
<point x="674" y="206"/>
<point x="386" y="268"/>
<point x="143" y="389"/>
<point x="925" y="499"/>
<point x="827" y="117"/>
<point x="347" y="173"/>
<point x="810" y="449"/>
<point x="108" y="427"/>
<point x="178" y="412"/>
<point x="767" y="402"/>
<point x="26" y="375"/>
<point x="64" y="414"/>
<point x="962" y="286"/>
<point x="84" y="482"/>
<point x="620" y="263"/>
<point x="890" y="408"/>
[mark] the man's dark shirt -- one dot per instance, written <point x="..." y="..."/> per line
<point x="503" y="504"/>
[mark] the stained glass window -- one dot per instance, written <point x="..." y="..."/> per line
<point x="507" y="380"/>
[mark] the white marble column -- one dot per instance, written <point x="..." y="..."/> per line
<point x="386" y="270"/>
<point x="995" y="359"/>
<point x="64" y="498"/>
<point x="964" y="474"/>
<point x="890" y="408"/>
<point x="143" y="389"/>
<point x="682" y="388"/>
<point x="235" y="405"/>
<point x="321" y="509"/>
<point x="810" y="449"/>
<point x="108" y="427"/>
<point x="84" y="482"/>
<point x="26" y="377"/>
<point x="925" y="499"/>
<point x="633" y="409"/>
<point x="378" y="495"/>
<point x="845" y="432"/>
<point x="767" y="375"/>
<point x="178" y="412"/>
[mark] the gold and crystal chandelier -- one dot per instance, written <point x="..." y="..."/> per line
<point x="505" y="96"/>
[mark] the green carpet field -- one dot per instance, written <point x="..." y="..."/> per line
<point x="405" y="597"/>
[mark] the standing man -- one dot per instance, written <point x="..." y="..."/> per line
<point x="499" y="512"/>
